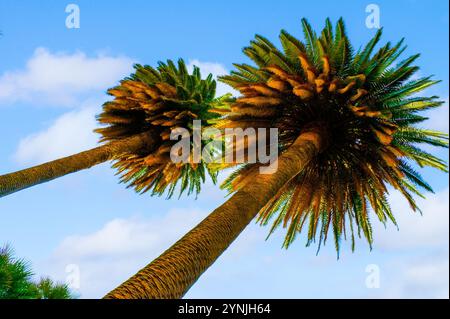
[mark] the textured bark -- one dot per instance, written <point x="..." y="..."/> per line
<point x="17" y="181"/>
<point x="179" y="267"/>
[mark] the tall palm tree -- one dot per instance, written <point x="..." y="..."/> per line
<point x="146" y="107"/>
<point x="348" y="124"/>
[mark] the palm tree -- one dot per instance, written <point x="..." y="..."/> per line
<point x="16" y="280"/>
<point x="348" y="124"/>
<point x="46" y="288"/>
<point x="146" y="107"/>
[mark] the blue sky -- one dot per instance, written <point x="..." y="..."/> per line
<point x="52" y="83"/>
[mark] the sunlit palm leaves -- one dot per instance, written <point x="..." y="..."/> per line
<point x="371" y="110"/>
<point x="159" y="100"/>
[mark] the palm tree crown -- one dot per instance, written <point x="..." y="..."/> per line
<point x="370" y="110"/>
<point x="159" y="100"/>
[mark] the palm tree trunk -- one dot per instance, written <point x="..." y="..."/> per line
<point x="179" y="267"/>
<point x="17" y="181"/>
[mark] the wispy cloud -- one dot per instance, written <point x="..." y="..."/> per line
<point x="412" y="277"/>
<point x="419" y="264"/>
<point x="415" y="231"/>
<point x="60" y="78"/>
<point x="121" y="246"/>
<point x="70" y="133"/>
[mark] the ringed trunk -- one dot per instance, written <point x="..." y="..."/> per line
<point x="29" y="177"/>
<point x="178" y="268"/>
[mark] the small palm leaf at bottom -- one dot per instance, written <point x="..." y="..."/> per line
<point x="15" y="276"/>
<point x="46" y="288"/>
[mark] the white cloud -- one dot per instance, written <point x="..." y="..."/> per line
<point x="60" y="78"/>
<point x="418" y="252"/>
<point x="428" y="230"/>
<point x="425" y="277"/>
<point x="429" y="275"/>
<point x="122" y="246"/>
<point x="129" y="236"/>
<point x="216" y="69"/>
<point x="116" y="251"/>
<point x="69" y="134"/>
